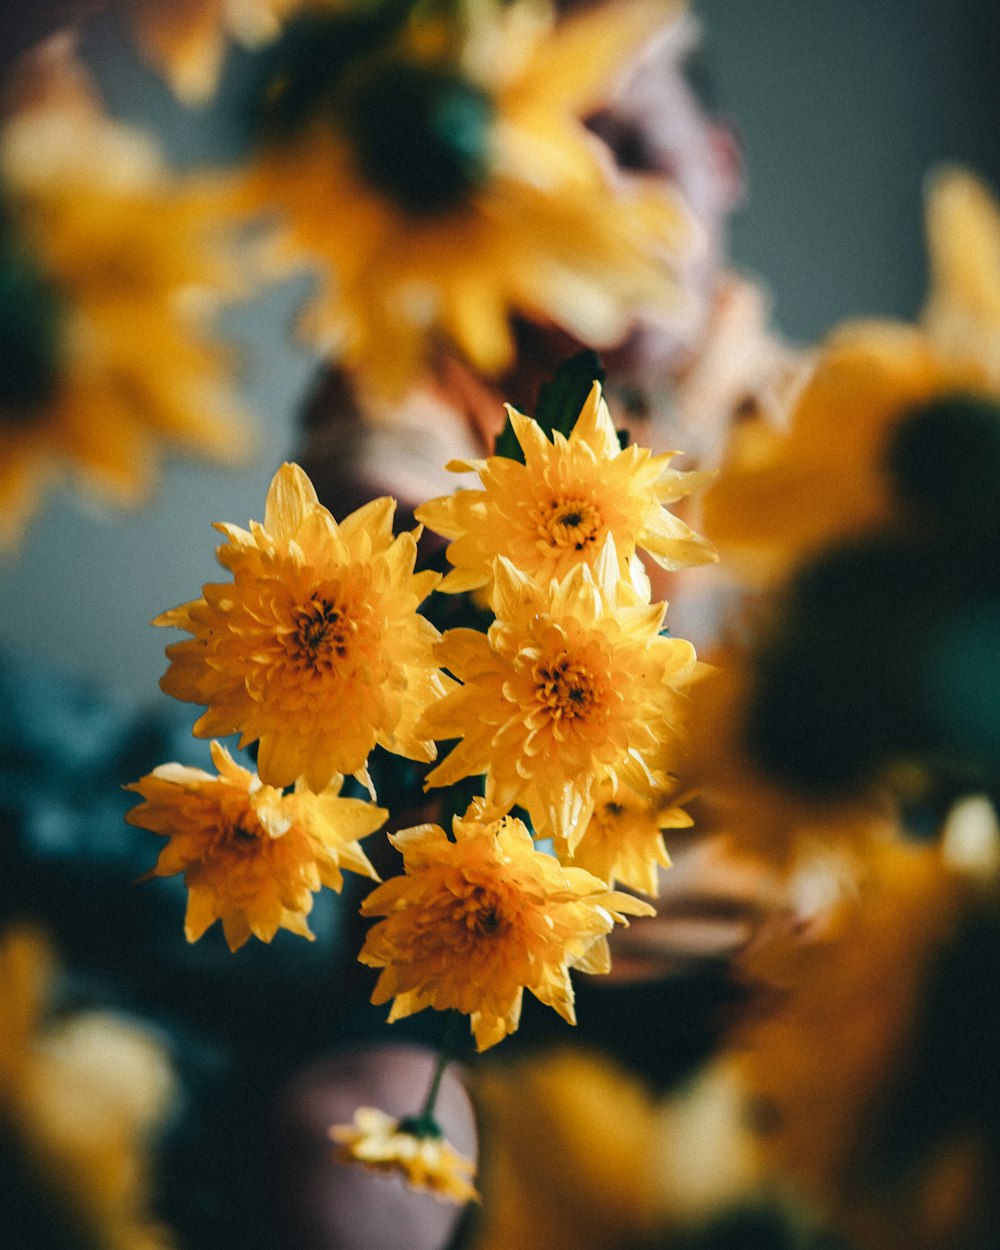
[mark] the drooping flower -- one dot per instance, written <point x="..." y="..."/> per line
<point x="251" y="856"/>
<point x="474" y="922"/>
<point x="316" y="647"/>
<point x="557" y="509"/>
<point x="424" y="1159"/>
<point x="572" y="684"/>
<point x="186" y="39"/>
<point x="108" y="266"/>
<point x="623" y="841"/>
<point x="448" y="181"/>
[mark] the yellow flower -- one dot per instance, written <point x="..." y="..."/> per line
<point x="557" y="509"/>
<point x="426" y="1161"/>
<point x="474" y="922"/>
<point x="316" y="647"/>
<point x="251" y="856"/>
<point x="186" y="39"/>
<point x="84" y="1094"/>
<point x="572" y="683"/>
<point x="623" y="841"/>
<point x="510" y="209"/>
<point x="107" y="268"/>
<point x="784" y="495"/>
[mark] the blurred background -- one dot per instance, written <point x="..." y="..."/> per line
<point x="841" y="107"/>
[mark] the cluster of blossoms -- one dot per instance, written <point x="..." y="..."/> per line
<point x="568" y="710"/>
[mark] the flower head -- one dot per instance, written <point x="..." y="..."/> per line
<point x="623" y="841"/>
<point x="557" y="509"/>
<point x="316" y="647"/>
<point x="449" y="181"/>
<point x="787" y="494"/>
<point x="251" y="856"/>
<point x="474" y="922"/>
<point x="424" y="1159"/>
<point x="573" y="683"/>
<point x="108" y="266"/>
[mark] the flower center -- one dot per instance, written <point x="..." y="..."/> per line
<point x="479" y="912"/>
<point x="322" y="635"/>
<point x="566" y="688"/>
<point x="570" y="523"/>
<point x="244" y="832"/>
<point x="421" y="135"/>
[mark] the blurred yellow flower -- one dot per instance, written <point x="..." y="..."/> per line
<point x="623" y="841"/>
<point x="785" y="494"/>
<point x="474" y="922"/>
<point x="251" y="856"/>
<point x="84" y="1095"/>
<point x="426" y="1161"/>
<point x="510" y="209"/>
<point x="556" y="509"/>
<point x="186" y="39"/>
<point x="572" y="684"/>
<point x="846" y="1010"/>
<point x="316" y="646"/>
<point x="108" y="267"/>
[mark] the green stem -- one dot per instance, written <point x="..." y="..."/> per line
<point x="424" y="1124"/>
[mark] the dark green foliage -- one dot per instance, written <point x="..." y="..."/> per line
<point x="559" y="401"/>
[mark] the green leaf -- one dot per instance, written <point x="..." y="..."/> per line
<point x="559" y="401"/>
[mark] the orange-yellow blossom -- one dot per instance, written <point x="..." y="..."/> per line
<point x="316" y="647"/>
<point x="557" y="509"/>
<point x="573" y="684"/>
<point x="472" y="923"/>
<point x="251" y="856"/>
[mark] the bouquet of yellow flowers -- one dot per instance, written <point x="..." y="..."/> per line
<point x="567" y="707"/>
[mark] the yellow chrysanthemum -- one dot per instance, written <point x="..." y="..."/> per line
<point x="474" y="922"/>
<point x="425" y="1161"/>
<point x="186" y="39"/>
<point x="84" y="1095"/>
<point x="251" y="856"/>
<point x="623" y="841"/>
<point x="557" y="509"/>
<point x="107" y="268"/>
<point x="572" y="684"/>
<point x="532" y="224"/>
<point x="786" y="494"/>
<point x="316" y="647"/>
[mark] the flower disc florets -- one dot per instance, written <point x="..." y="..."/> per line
<point x="572" y="683"/>
<point x="476" y="921"/>
<point x="557" y="509"/>
<point x="251" y="856"/>
<point x="316" y="647"/>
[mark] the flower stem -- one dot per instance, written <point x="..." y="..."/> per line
<point x="424" y="1124"/>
